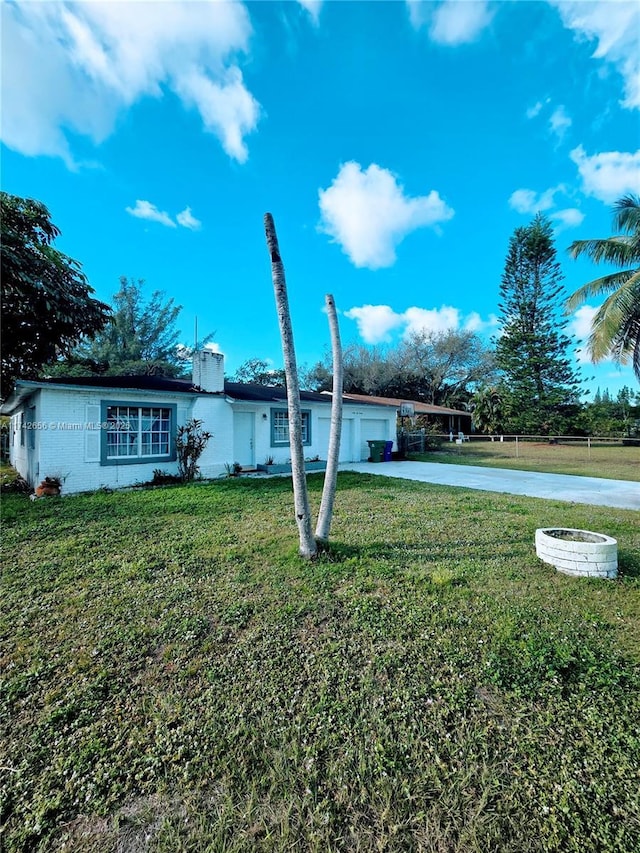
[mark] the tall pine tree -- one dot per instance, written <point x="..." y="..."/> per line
<point x="139" y="338"/>
<point x="542" y="386"/>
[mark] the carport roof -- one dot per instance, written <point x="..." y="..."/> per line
<point x="420" y="408"/>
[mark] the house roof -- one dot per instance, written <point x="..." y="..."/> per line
<point x="239" y="391"/>
<point x="269" y="394"/>
<point x="142" y="383"/>
<point x="25" y="387"/>
<point x="420" y="408"/>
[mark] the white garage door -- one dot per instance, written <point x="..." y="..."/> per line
<point x="346" y="438"/>
<point x="371" y="430"/>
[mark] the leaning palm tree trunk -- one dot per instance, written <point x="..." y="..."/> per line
<point x="308" y="547"/>
<point x="333" y="456"/>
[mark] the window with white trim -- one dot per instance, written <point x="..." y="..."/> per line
<point x="136" y="433"/>
<point x="280" y="427"/>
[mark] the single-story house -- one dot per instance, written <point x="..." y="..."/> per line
<point x="450" y="420"/>
<point x="114" y="431"/>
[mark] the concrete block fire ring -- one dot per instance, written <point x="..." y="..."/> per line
<point x="580" y="553"/>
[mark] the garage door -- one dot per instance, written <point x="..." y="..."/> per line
<point x="346" y="438"/>
<point x="371" y="430"/>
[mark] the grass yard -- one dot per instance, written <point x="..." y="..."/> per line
<point x="612" y="461"/>
<point x="176" y="679"/>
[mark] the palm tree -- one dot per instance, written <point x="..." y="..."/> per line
<point x="308" y="547"/>
<point x="333" y="456"/>
<point x="615" y="329"/>
<point x="487" y="409"/>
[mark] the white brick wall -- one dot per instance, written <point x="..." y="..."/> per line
<point x="67" y="451"/>
<point x="65" y="447"/>
<point x="217" y="417"/>
<point x="208" y="370"/>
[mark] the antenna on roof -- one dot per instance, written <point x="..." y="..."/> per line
<point x="195" y="335"/>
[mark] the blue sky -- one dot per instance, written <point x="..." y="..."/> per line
<point x="397" y="145"/>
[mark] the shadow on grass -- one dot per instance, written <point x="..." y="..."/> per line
<point x="338" y="552"/>
<point x="628" y="563"/>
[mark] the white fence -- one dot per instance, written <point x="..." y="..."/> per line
<point x="518" y="446"/>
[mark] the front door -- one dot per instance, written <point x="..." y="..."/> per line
<point x="244" y="428"/>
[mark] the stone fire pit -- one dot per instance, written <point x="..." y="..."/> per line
<point x="578" y="552"/>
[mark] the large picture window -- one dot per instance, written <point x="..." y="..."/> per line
<point x="280" y="427"/>
<point x="133" y="433"/>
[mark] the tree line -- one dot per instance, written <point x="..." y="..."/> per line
<point x="524" y="381"/>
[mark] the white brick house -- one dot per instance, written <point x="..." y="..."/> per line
<point x="115" y="431"/>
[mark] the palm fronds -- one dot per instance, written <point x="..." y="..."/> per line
<point x="615" y="329"/>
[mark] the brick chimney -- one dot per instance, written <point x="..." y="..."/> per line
<point x="208" y="370"/>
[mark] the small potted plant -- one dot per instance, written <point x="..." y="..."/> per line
<point x="49" y="487"/>
<point x="232" y="469"/>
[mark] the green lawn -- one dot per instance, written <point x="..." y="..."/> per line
<point x="611" y="461"/>
<point x="176" y="679"/>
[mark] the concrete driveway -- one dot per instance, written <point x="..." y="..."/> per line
<point x="622" y="494"/>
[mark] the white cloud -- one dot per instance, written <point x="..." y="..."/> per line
<point x="533" y="111"/>
<point x="376" y="322"/>
<point x="431" y="320"/>
<point x="528" y="201"/>
<point x="524" y="201"/>
<point x="580" y="326"/>
<point x="581" y="322"/>
<point x="474" y="323"/>
<point x="419" y="12"/>
<point x="146" y="210"/>
<point x="560" y="122"/>
<point x="313" y="8"/>
<point x="226" y="108"/>
<point x="615" y="27"/>
<point x="451" y="22"/>
<point x="185" y="351"/>
<point x="368" y="214"/>
<point x="459" y="21"/>
<point x="188" y="220"/>
<point x="75" y="67"/>
<point x="569" y="217"/>
<point x="609" y="175"/>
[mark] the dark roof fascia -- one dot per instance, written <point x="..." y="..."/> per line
<point x="97" y="385"/>
<point x="23" y="390"/>
<point x="25" y="387"/>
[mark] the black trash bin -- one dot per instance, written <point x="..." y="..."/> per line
<point x="388" y="448"/>
<point x="376" y="450"/>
